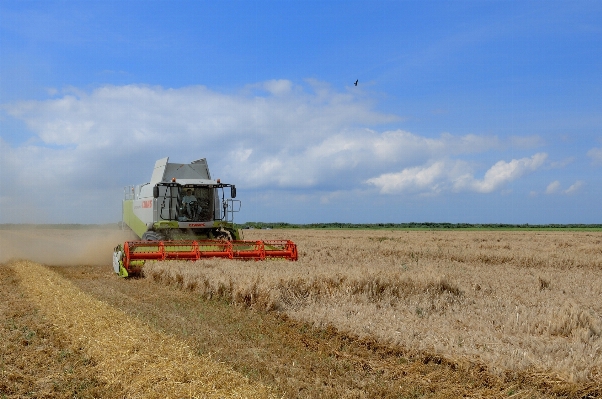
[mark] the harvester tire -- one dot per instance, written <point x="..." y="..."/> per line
<point x="223" y="234"/>
<point x="152" y="236"/>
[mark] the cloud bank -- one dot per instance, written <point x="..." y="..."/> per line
<point x="277" y="135"/>
<point x="456" y="175"/>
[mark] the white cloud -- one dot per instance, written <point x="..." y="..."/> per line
<point x="455" y="175"/>
<point x="574" y="187"/>
<point x="278" y="87"/>
<point x="501" y="173"/>
<point x="147" y="116"/>
<point x="275" y="134"/>
<point x="425" y="179"/>
<point x="596" y="155"/>
<point x="349" y="157"/>
<point x="553" y="187"/>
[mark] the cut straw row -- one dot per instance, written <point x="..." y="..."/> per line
<point x="130" y="357"/>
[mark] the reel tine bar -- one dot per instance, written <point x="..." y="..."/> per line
<point x="285" y="249"/>
<point x="136" y="252"/>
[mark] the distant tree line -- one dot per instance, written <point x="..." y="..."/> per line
<point x="413" y="225"/>
<point x="334" y="225"/>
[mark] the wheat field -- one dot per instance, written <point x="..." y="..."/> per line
<point x="518" y="302"/>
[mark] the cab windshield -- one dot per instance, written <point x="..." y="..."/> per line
<point x="185" y="203"/>
<point x="195" y="204"/>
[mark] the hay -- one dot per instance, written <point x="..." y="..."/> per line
<point x="130" y="357"/>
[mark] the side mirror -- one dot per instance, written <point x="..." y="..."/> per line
<point x="232" y="191"/>
<point x="156" y="192"/>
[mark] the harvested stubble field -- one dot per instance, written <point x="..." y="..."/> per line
<point x="372" y="313"/>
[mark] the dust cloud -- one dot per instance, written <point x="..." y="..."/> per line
<point x="62" y="247"/>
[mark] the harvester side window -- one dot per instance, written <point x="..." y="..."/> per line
<point x="170" y="203"/>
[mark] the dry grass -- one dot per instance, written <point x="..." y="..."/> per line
<point x="525" y="303"/>
<point x="130" y="358"/>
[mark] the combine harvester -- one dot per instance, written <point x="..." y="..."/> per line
<point x="179" y="215"/>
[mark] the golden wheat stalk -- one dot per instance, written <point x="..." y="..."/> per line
<point x="534" y="297"/>
<point x="129" y="356"/>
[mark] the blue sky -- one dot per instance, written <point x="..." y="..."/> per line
<point x="468" y="111"/>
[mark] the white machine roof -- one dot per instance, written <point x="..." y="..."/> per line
<point x="196" y="172"/>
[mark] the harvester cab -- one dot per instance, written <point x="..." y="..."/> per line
<point x="182" y="213"/>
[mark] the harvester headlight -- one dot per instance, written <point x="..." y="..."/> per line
<point x="173" y="179"/>
<point x="218" y="181"/>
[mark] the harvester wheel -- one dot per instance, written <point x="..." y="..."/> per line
<point x="152" y="236"/>
<point x="223" y="234"/>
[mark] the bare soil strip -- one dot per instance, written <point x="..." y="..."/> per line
<point x="130" y="358"/>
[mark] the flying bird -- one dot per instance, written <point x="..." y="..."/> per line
<point x="356" y="82"/>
